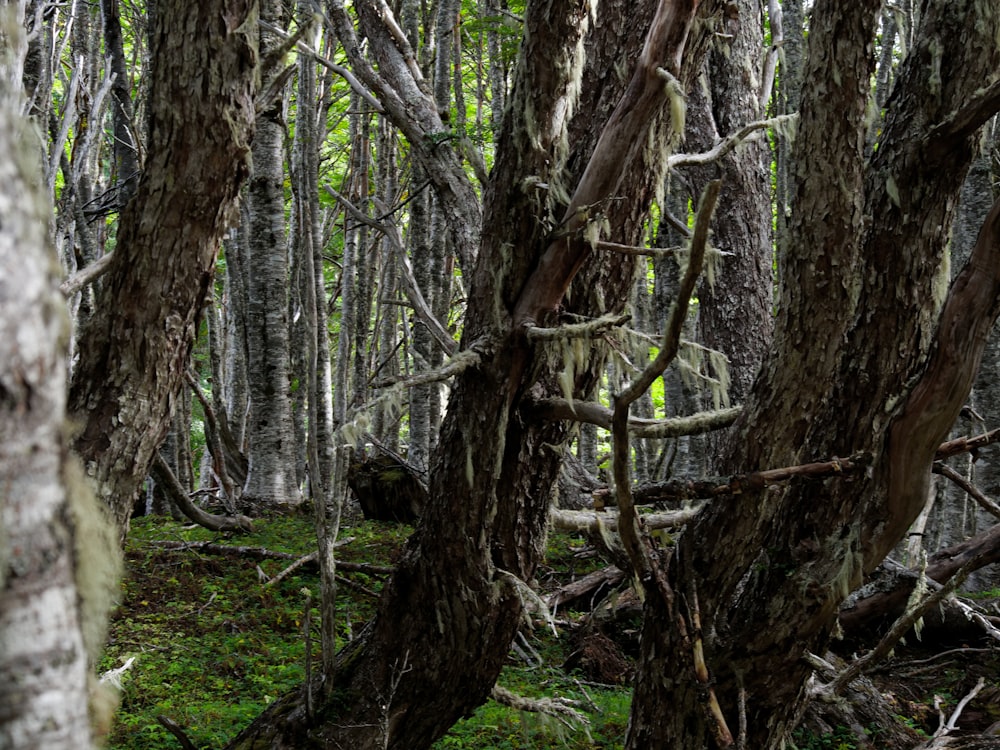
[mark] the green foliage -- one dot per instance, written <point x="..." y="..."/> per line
<point x="841" y="738"/>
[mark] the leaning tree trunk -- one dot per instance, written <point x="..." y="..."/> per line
<point x="135" y="349"/>
<point x="860" y="363"/>
<point x="461" y="576"/>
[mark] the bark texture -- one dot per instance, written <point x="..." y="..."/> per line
<point x="139" y="339"/>
<point x="272" y="451"/>
<point x="864" y="359"/>
<point x="461" y="576"/>
<point x="43" y="662"/>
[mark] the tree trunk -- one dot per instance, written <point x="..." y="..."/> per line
<point x="46" y="511"/>
<point x="757" y="580"/>
<point x="139" y="340"/>
<point x="271" y="479"/>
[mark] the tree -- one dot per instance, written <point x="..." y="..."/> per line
<point x="271" y="479"/>
<point x="859" y="364"/>
<point x="135" y="349"/>
<point x="461" y="579"/>
<point x="55" y="588"/>
<point x="871" y="354"/>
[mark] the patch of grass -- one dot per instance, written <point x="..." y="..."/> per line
<point x="214" y="645"/>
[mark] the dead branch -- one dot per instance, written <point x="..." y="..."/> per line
<point x="727" y="144"/>
<point x="899" y="628"/>
<point x="175" y="729"/>
<point x="592" y="521"/>
<point x="628" y="527"/>
<point x="410" y="286"/>
<point x="165" y="476"/>
<point x="587" y="329"/>
<point x="213" y="432"/>
<point x="945" y="728"/>
<point x="597" y="414"/>
<point x="981" y="550"/>
<point x="262" y="553"/>
<point x="966" y="444"/>
<point x="652" y="252"/>
<point x="586" y="586"/>
<point x="968" y="487"/>
<point x="86" y="275"/>
<point x="562" y="709"/>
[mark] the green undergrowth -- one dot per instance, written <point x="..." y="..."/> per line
<point x="213" y="642"/>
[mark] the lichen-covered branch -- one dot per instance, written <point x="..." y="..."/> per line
<point x="624" y="133"/>
<point x="592" y="412"/>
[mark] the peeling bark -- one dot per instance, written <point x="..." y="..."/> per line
<point x="140" y="337"/>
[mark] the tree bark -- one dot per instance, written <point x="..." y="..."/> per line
<point x="860" y="362"/>
<point x="43" y="648"/>
<point x="462" y="572"/>
<point x="140" y="337"/>
<point x="271" y="478"/>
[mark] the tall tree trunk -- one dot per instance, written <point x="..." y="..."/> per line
<point x="139" y="340"/>
<point x="126" y="147"/>
<point x="271" y="479"/>
<point x="48" y="517"/>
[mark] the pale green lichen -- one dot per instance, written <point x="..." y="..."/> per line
<point x="531" y="602"/>
<point x="893" y="190"/>
<point x="934" y="74"/>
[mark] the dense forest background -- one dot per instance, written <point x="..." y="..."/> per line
<point x="706" y="284"/>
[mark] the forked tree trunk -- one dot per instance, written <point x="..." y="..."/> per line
<point x="459" y="577"/>
<point x="139" y="340"/>
<point x="859" y="363"/>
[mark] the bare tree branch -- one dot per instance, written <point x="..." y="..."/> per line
<point x="984" y="502"/>
<point x="727" y="144"/>
<point x="413" y="293"/>
<point x="597" y="414"/>
<point x="86" y="275"/>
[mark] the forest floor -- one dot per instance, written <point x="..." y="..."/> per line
<point x="215" y="633"/>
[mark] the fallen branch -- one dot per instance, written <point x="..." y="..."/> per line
<point x="562" y="709"/>
<point x="585" y="586"/>
<point x="591" y="521"/>
<point x="888" y="642"/>
<point x="262" y="553"/>
<point x="175" y="729"/>
<point x="949" y="726"/>
<point x="168" y="482"/>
